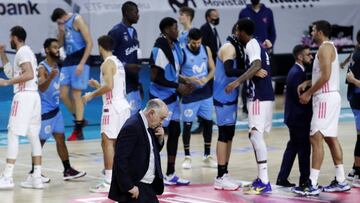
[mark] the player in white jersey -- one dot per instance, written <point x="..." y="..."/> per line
<point x="324" y="88"/>
<point x="25" y="115"/>
<point x="116" y="109"/>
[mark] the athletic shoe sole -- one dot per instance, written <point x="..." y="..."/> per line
<point x="79" y="175"/>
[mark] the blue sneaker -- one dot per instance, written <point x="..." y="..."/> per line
<point x="335" y="186"/>
<point x="175" y="180"/>
<point x="258" y="187"/>
<point x="306" y="189"/>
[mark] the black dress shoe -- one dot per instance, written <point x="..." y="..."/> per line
<point x="284" y="183"/>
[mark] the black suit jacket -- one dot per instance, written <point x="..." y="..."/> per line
<point x="296" y="114"/>
<point x="131" y="160"/>
<point x="209" y="39"/>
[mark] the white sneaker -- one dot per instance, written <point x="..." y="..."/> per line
<point x="356" y="181"/>
<point x="6" y="182"/>
<point x="32" y="182"/>
<point x="209" y="162"/>
<point x="350" y="175"/>
<point x="224" y="183"/>
<point x="101" y="187"/>
<point x="45" y="179"/>
<point x="186" y="164"/>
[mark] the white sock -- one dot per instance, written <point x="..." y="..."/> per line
<point x="340" y="174"/>
<point x="314" y="175"/>
<point x="263" y="173"/>
<point x="108" y="176"/>
<point x="9" y="169"/>
<point x="37" y="171"/>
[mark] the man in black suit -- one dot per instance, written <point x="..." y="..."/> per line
<point x="210" y="38"/>
<point x="137" y="175"/>
<point x="297" y="118"/>
<point x="209" y="32"/>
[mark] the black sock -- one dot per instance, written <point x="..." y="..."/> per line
<point x="227" y="164"/>
<point x="186" y="137"/>
<point x="170" y="168"/>
<point x="357" y="170"/>
<point x="66" y="164"/>
<point x="221" y="170"/>
<point x="207" y="134"/>
<point x="32" y="168"/>
<point x="79" y="124"/>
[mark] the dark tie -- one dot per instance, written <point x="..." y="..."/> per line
<point x="218" y="42"/>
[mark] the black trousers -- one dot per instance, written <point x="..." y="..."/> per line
<point x="146" y="194"/>
<point x="299" y="144"/>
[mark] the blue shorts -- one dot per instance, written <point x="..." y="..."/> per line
<point x="202" y="108"/>
<point x="174" y="113"/>
<point x="226" y="114"/>
<point x="69" y="78"/>
<point x="134" y="100"/>
<point x="357" y="118"/>
<point x="51" y="126"/>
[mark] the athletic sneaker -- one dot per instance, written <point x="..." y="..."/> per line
<point x="71" y="174"/>
<point x="32" y="182"/>
<point x="101" y="187"/>
<point x="209" y="162"/>
<point x="306" y="189"/>
<point x="258" y="187"/>
<point x="225" y="183"/>
<point x="45" y="179"/>
<point x="335" y="186"/>
<point x="356" y="181"/>
<point x="6" y="182"/>
<point x="173" y="179"/>
<point x="351" y="175"/>
<point x="186" y="164"/>
<point x="76" y="135"/>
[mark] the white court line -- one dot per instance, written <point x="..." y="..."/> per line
<point x="51" y="169"/>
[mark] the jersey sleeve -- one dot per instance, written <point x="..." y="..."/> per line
<point x="23" y="57"/>
<point x="159" y="58"/>
<point x="253" y="50"/>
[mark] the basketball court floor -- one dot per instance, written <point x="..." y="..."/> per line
<point x="86" y="155"/>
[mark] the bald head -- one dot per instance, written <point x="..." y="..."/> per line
<point x="155" y="111"/>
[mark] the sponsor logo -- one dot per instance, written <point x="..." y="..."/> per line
<point x="220" y="3"/>
<point x="28" y="8"/>
<point x="188" y="113"/>
<point x="290" y="4"/>
<point x="178" y="4"/>
<point x="199" y="69"/>
<point x="130" y="50"/>
<point x="47" y="129"/>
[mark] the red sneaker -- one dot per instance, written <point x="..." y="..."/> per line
<point x="73" y="136"/>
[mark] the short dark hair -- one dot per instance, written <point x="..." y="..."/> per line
<point x="128" y="6"/>
<point x="195" y="34"/>
<point x="166" y="22"/>
<point x="323" y="26"/>
<point x="298" y="49"/>
<point x="106" y="42"/>
<point x="246" y="25"/>
<point x="358" y="37"/>
<point x="57" y="13"/>
<point x="188" y="11"/>
<point x="207" y="13"/>
<point x="48" y="42"/>
<point x="18" y="32"/>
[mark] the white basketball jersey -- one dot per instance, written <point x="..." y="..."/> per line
<point x="23" y="55"/>
<point x="118" y="93"/>
<point x="333" y="83"/>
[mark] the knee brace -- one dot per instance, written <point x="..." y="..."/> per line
<point x="35" y="145"/>
<point x="258" y="143"/>
<point x="230" y="132"/>
<point x="13" y="145"/>
<point x="222" y="134"/>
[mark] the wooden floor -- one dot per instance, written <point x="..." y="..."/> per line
<point x="87" y="155"/>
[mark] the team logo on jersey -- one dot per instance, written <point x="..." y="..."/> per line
<point x="199" y="69"/>
<point x="47" y="129"/>
<point x="56" y="85"/>
<point x="188" y="113"/>
<point x="126" y="38"/>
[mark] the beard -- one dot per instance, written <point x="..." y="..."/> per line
<point x="54" y="56"/>
<point x="12" y="45"/>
